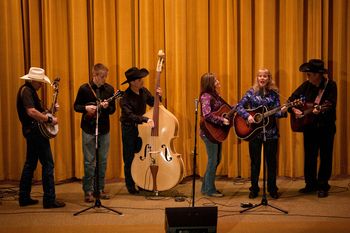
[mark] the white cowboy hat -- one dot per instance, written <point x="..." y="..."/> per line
<point x="36" y="74"/>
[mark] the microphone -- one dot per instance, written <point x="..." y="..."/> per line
<point x="196" y="104"/>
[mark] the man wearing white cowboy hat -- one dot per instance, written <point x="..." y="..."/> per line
<point x="319" y="128"/>
<point x="30" y="112"/>
<point x="133" y="105"/>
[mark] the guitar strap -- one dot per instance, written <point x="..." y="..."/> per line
<point x="320" y="94"/>
<point x="93" y="92"/>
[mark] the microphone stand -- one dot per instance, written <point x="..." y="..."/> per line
<point x="264" y="201"/>
<point x="97" y="192"/>
<point x="194" y="152"/>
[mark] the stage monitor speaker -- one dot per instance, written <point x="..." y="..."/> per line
<point x="191" y="219"/>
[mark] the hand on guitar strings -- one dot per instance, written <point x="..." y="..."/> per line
<point x="226" y="121"/>
<point x="150" y="122"/>
<point x="251" y="119"/>
<point x="298" y="113"/>
<point x="104" y="104"/>
<point x="90" y="109"/>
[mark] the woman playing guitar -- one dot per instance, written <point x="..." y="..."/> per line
<point x="211" y="102"/>
<point x="262" y="95"/>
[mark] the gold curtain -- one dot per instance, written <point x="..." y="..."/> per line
<point x="230" y="38"/>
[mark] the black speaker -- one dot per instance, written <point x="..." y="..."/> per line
<point x="191" y="219"/>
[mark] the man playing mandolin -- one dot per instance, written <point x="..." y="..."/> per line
<point x="319" y="131"/>
<point x="262" y="94"/>
<point x="31" y="113"/>
<point x="97" y="91"/>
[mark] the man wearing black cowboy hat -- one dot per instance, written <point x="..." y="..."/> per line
<point x="133" y="105"/>
<point x="319" y="131"/>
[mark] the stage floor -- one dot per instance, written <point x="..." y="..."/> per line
<point x="146" y="213"/>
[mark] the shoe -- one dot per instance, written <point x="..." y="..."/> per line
<point x="27" y="201"/>
<point x="322" y="193"/>
<point x="133" y="191"/>
<point x="104" y="195"/>
<point x="274" y="195"/>
<point x="54" y="204"/>
<point x="216" y="194"/>
<point x="308" y="189"/>
<point x="253" y="194"/>
<point x="88" y="197"/>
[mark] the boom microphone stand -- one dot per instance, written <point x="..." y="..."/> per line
<point x="264" y="201"/>
<point x="97" y="191"/>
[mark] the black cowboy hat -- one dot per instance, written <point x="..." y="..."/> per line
<point x="134" y="73"/>
<point x="313" y="66"/>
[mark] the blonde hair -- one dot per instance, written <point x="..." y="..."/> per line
<point x="270" y="84"/>
<point x="99" y="70"/>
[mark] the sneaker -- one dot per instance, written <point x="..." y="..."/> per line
<point x="88" y="197"/>
<point x="27" y="201"/>
<point x="54" y="204"/>
<point x="216" y="194"/>
<point x="104" y="195"/>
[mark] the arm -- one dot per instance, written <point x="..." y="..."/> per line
<point x="207" y="111"/>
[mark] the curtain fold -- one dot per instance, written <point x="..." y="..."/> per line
<point x="230" y="38"/>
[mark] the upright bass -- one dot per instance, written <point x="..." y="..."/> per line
<point x="158" y="167"/>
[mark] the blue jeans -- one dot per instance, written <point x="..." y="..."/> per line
<point x="38" y="148"/>
<point x="214" y="158"/>
<point x="89" y="150"/>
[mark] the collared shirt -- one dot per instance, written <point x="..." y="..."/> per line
<point x="86" y="96"/>
<point x="133" y="106"/>
<point x="309" y="92"/>
<point x="252" y="100"/>
<point x="27" y="97"/>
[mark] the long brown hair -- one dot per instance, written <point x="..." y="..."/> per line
<point x="208" y="83"/>
<point x="270" y="84"/>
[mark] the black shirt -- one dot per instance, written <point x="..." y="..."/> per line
<point x="310" y="92"/>
<point x="27" y="97"/>
<point x="86" y="96"/>
<point x="134" y="106"/>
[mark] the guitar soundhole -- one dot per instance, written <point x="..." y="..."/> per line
<point x="258" y="118"/>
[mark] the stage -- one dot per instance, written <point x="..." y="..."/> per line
<point x="146" y="213"/>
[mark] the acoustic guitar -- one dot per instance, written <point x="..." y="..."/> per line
<point x="262" y="118"/>
<point x="298" y="124"/>
<point x="217" y="133"/>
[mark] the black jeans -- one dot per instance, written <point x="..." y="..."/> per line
<point x="270" y="151"/>
<point x="38" y="148"/>
<point x="318" y="141"/>
<point x="129" y="137"/>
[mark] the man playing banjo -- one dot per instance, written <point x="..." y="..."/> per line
<point x="31" y="114"/>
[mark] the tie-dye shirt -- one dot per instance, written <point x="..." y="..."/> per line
<point x="270" y="100"/>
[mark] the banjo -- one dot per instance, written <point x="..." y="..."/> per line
<point x="49" y="130"/>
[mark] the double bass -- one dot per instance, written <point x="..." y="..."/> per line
<point x="158" y="167"/>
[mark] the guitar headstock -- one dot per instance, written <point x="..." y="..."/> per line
<point x="55" y="83"/>
<point x="160" y="62"/>
<point x="119" y="94"/>
<point x="298" y="102"/>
